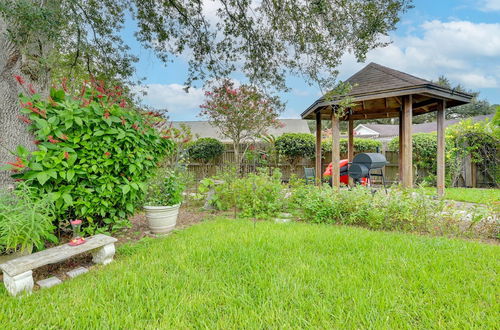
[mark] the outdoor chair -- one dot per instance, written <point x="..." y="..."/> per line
<point x="310" y="175"/>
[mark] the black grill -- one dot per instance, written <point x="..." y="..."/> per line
<point x="362" y="166"/>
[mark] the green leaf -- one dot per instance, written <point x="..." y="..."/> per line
<point x="57" y="94"/>
<point x="78" y="121"/>
<point x="70" y="174"/>
<point x="68" y="199"/>
<point x="42" y="177"/>
<point x="125" y="189"/>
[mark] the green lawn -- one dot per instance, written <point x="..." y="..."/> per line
<point x="228" y="274"/>
<point x="471" y="195"/>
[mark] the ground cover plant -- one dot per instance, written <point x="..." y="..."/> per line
<point x="234" y="274"/>
<point x="26" y="220"/>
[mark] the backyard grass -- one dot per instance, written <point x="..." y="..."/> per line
<point x="470" y="195"/>
<point x="230" y="274"/>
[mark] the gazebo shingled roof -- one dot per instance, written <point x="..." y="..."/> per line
<point x="377" y="90"/>
<point x="381" y="92"/>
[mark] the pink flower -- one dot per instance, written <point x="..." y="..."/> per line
<point x="66" y="155"/>
<point x="107" y="114"/>
<point x="107" y="154"/>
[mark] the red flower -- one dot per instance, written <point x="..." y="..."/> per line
<point x="123" y="103"/>
<point x="64" y="137"/>
<point x="135" y="126"/>
<point x="100" y="96"/>
<point x="66" y="155"/>
<point x="24" y="119"/>
<point x="107" y="154"/>
<point x="123" y="120"/>
<point x="31" y="89"/>
<point x="20" y="80"/>
<point x="38" y="111"/>
<point x="52" y="140"/>
<point x="252" y="147"/>
<point x="19" y="163"/>
<point x="186" y="140"/>
<point x="19" y="180"/>
<point x="36" y="142"/>
<point x="107" y="114"/>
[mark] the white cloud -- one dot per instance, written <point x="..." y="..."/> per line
<point x="175" y="99"/>
<point x="465" y="52"/>
<point x="490" y="5"/>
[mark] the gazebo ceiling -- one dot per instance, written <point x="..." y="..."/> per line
<point x="378" y="92"/>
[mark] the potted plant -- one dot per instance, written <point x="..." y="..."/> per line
<point x="163" y="200"/>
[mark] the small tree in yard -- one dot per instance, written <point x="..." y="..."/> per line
<point x="240" y="114"/>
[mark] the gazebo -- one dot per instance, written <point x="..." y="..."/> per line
<point x="381" y="92"/>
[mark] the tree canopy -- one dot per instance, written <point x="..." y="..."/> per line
<point x="263" y="39"/>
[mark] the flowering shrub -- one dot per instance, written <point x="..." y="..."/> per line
<point x="93" y="153"/>
<point x="240" y="113"/>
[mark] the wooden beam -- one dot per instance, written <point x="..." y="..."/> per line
<point x="350" y="143"/>
<point x="398" y="100"/>
<point x="386" y="103"/>
<point x="335" y="151"/>
<point x="425" y="103"/>
<point x="440" y="147"/>
<point x="407" y="159"/>
<point x="318" y="149"/>
<point x="400" y="153"/>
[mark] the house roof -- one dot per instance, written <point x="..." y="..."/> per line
<point x="201" y="129"/>
<point x="393" y="130"/>
<point x="378" y="90"/>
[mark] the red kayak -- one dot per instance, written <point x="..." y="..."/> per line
<point x="344" y="177"/>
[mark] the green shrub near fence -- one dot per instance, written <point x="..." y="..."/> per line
<point x="360" y="145"/>
<point x="205" y="150"/>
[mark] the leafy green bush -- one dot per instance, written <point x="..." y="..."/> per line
<point x="360" y="145"/>
<point x="256" y="195"/>
<point x="93" y="154"/>
<point x="205" y="149"/>
<point x="295" y="146"/>
<point x="164" y="189"/>
<point x="25" y="222"/>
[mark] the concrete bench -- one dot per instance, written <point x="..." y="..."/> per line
<point x="18" y="273"/>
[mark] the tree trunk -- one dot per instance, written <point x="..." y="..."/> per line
<point x="24" y="63"/>
<point x="236" y="146"/>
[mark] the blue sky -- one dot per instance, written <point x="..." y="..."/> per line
<point x="456" y="38"/>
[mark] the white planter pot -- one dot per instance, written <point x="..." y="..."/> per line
<point x="162" y="219"/>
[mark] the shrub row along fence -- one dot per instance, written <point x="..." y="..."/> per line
<point x="473" y="175"/>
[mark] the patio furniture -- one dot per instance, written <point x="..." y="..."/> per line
<point x="18" y="273"/>
<point x="310" y="174"/>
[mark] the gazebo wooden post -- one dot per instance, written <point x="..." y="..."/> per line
<point x="318" y="148"/>
<point x="400" y="154"/>
<point x="440" y="147"/>
<point x="335" y="150"/>
<point x="407" y="145"/>
<point x="350" y="142"/>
